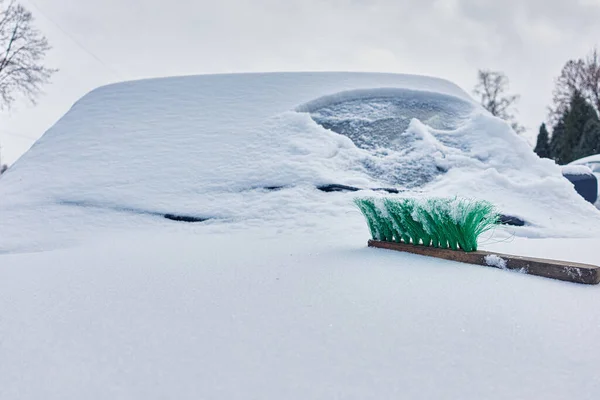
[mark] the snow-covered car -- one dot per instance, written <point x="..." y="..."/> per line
<point x="177" y="238"/>
<point x="592" y="162"/>
<point x="576" y="170"/>
<point x="584" y="181"/>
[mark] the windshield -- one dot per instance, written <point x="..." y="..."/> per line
<point x="380" y="123"/>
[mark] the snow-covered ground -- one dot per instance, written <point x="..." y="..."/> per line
<point x="276" y="296"/>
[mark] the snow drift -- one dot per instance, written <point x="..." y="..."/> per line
<point x="207" y="146"/>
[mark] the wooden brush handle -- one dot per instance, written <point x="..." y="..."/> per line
<point x="562" y="270"/>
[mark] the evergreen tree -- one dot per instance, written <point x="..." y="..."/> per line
<point x="590" y="140"/>
<point x="567" y="136"/>
<point x="580" y="113"/>
<point x="542" y="147"/>
<point x="558" y="140"/>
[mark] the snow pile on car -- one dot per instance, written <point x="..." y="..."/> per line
<point x="215" y="146"/>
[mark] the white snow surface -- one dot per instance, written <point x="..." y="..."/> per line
<point x="264" y="314"/>
<point x="495" y="261"/>
<point x="576" y="169"/>
<point x="585" y="160"/>
<point x="277" y="296"/>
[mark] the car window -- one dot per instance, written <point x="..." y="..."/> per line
<point x="378" y="123"/>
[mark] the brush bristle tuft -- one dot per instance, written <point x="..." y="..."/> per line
<point x="447" y="223"/>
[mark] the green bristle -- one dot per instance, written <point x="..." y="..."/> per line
<point x="379" y="225"/>
<point x="399" y="229"/>
<point x="402" y="214"/>
<point x="477" y="217"/>
<point x="444" y="224"/>
<point x="439" y="222"/>
<point x="427" y="220"/>
<point x="430" y="221"/>
<point x="383" y="220"/>
<point x="361" y="204"/>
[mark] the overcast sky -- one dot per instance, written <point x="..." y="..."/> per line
<point x="98" y="42"/>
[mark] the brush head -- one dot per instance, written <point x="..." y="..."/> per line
<point x="439" y="222"/>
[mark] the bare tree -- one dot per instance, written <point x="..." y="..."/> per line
<point x="22" y="51"/>
<point x="491" y="89"/>
<point x="583" y="76"/>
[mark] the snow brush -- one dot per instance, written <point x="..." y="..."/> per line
<point x="448" y="228"/>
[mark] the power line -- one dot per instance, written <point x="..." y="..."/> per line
<point x="74" y="40"/>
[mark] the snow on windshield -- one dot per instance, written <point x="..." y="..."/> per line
<point x="379" y="121"/>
